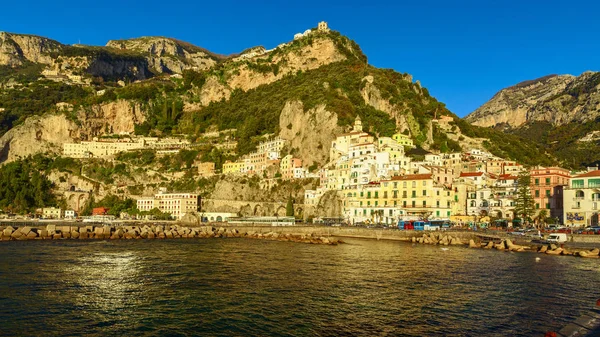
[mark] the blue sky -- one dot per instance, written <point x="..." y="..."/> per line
<point x="462" y="51"/>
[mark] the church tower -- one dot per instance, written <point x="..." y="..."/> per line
<point x="358" y="125"/>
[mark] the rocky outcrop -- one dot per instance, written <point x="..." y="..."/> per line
<point x="15" y="49"/>
<point x="372" y="96"/>
<point x="113" y="117"/>
<point x="167" y="55"/>
<point x="245" y="75"/>
<point x="310" y="132"/>
<point x="330" y="205"/>
<point x="37" y="135"/>
<point x="555" y="99"/>
<point x="47" y="133"/>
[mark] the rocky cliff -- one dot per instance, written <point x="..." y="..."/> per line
<point x="16" y="49"/>
<point x="166" y="55"/>
<point x="557" y="99"/>
<point x="47" y="133"/>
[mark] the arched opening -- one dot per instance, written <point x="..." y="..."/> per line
<point x="219" y="219"/>
<point x="72" y="188"/>
<point x="579" y="194"/>
<point x="596" y="196"/>
<point x="472" y="203"/>
<point x="594" y="220"/>
<point x="499" y="214"/>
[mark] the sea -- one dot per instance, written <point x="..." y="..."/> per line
<point x="246" y="287"/>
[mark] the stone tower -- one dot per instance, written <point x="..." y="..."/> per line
<point x="358" y="125"/>
<point x="323" y="26"/>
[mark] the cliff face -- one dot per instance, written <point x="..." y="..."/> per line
<point x="15" y="49"/>
<point x="270" y="66"/>
<point x="309" y="133"/>
<point x="168" y="55"/>
<point x="555" y="99"/>
<point x="48" y="133"/>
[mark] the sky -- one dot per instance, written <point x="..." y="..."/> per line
<point x="463" y="52"/>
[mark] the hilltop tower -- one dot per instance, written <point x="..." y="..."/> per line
<point x="323" y="26"/>
<point x="358" y="125"/>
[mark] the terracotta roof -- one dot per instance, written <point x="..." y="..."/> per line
<point x="507" y="177"/>
<point x="471" y="174"/>
<point x="595" y="173"/>
<point x="413" y="177"/>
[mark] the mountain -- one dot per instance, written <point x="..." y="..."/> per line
<point x="558" y="112"/>
<point x="556" y="99"/>
<point x="307" y="91"/>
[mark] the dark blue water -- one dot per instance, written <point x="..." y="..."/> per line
<point x="243" y="287"/>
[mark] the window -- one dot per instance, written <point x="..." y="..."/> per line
<point x="547" y="181"/>
<point x="594" y="183"/>
<point x="438" y="193"/>
<point x="437" y="213"/>
<point x="424" y="182"/>
<point x="547" y="193"/>
<point x="424" y="203"/>
<point x="404" y="203"/>
<point x="403" y="194"/>
<point x="537" y="206"/>
<point x="361" y="194"/>
<point x="368" y="195"/>
<point x="414" y="203"/>
<point x="414" y="194"/>
<point x="537" y="181"/>
<point x="385" y="194"/>
<point x="537" y="193"/>
<point x="437" y="204"/>
<point x="376" y="194"/>
<point x="577" y="183"/>
<point x="390" y="212"/>
<point x="424" y="193"/>
<point x="376" y="203"/>
<point x="414" y="184"/>
<point x="548" y="205"/>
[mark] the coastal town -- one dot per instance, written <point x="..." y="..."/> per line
<point x="381" y="180"/>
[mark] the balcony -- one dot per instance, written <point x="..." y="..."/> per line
<point x="578" y="198"/>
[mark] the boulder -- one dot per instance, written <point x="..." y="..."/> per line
<point x="31" y="235"/>
<point x="413" y="239"/>
<point x="594" y="251"/>
<point x="43" y="233"/>
<point x="57" y="236"/>
<point x="75" y="234"/>
<point x="553" y="247"/>
<point x="84" y="235"/>
<point x="16" y="234"/>
<point x="489" y="245"/>
<point x="556" y="251"/>
<point x="472" y="244"/>
<point x="8" y="231"/>
<point x="543" y="249"/>
<point x="51" y="228"/>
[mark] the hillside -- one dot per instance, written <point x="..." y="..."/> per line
<point x="307" y="91"/>
<point x="556" y="99"/>
<point x="558" y="112"/>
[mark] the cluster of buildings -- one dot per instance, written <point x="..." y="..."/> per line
<point x="384" y="180"/>
<point x="106" y="147"/>
<point x="267" y="157"/>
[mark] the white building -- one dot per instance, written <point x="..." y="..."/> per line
<point x="581" y="200"/>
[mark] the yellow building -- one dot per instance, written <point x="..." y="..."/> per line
<point x="403" y="139"/>
<point x="419" y="195"/>
<point x="233" y="167"/>
<point x="52" y="213"/>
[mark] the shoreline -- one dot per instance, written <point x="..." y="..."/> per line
<point x="301" y="234"/>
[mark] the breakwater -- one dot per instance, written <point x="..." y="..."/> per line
<point x="506" y="245"/>
<point x="115" y="232"/>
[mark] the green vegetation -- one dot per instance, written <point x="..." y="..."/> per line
<point x="24" y="187"/>
<point x="507" y="145"/>
<point x="256" y="112"/>
<point x="289" y="207"/>
<point x="563" y="141"/>
<point x="524" y="207"/>
<point x="34" y="99"/>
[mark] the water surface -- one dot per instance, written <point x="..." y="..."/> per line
<point x="242" y="287"/>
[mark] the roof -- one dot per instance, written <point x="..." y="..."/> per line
<point x="413" y="177"/>
<point x="595" y="173"/>
<point x="507" y="177"/>
<point x="471" y="174"/>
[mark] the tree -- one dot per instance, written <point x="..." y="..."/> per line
<point x="524" y="207"/>
<point x="289" y="208"/>
<point x="542" y="217"/>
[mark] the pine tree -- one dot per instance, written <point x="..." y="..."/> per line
<point x="524" y="206"/>
<point x="289" y="208"/>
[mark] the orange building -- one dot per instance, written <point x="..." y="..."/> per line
<point x="546" y="188"/>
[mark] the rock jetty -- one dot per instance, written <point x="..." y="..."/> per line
<point x="111" y="232"/>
